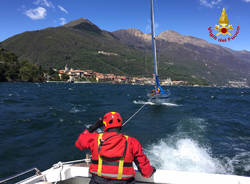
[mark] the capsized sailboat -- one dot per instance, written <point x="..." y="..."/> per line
<point x="158" y="95"/>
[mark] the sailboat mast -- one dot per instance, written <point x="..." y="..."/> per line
<point x="153" y="39"/>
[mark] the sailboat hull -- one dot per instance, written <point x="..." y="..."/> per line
<point x="158" y="98"/>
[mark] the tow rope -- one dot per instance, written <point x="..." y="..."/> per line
<point x="134" y="114"/>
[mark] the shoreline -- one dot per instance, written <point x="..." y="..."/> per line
<point x="139" y="84"/>
<point x="134" y="84"/>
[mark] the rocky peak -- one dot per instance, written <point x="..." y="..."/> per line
<point x="84" y="25"/>
<point x="131" y="32"/>
<point x="134" y="31"/>
<point x="77" y="22"/>
<point x="172" y="36"/>
<point x="245" y="52"/>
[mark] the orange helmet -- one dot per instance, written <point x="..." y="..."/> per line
<point x="112" y="119"/>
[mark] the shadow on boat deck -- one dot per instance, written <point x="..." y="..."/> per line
<point x="81" y="180"/>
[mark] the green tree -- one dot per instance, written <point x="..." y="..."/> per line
<point x="26" y="73"/>
<point x="51" y="71"/>
<point x="30" y="73"/>
<point x="2" y="73"/>
<point x="65" y="77"/>
<point x="12" y="71"/>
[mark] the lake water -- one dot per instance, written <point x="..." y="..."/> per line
<point x="199" y="130"/>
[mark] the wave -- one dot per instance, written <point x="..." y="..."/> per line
<point x="184" y="155"/>
<point x="151" y="103"/>
<point x="11" y="101"/>
<point x="74" y="110"/>
<point x="187" y="150"/>
<point x="192" y="127"/>
<point x="241" y="161"/>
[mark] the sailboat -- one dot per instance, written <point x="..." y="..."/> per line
<point x="158" y="95"/>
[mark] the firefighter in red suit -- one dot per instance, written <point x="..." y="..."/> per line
<point x="113" y="152"/>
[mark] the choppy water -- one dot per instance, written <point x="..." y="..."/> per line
<point x="199" y="130"/>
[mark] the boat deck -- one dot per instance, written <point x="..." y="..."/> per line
<point x="79" y="174"/>
<point x="82" y="180"/>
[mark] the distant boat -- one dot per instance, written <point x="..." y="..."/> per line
<point x="158" y="95"/>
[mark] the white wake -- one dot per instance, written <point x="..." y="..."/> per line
<point x="151" y="103"/>
<point x="183" y="155"/>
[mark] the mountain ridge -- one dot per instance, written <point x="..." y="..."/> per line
<point x="181" y="57"/>
<point x="195" y="49"/>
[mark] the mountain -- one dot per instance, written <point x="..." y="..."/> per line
<point x="193" y="56"/>
<point x="77" y="44"/>
<point x="128" y="52"/>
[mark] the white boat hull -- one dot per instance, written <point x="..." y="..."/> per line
<point x="74" y="174"/>
<point x="158" y="98"/>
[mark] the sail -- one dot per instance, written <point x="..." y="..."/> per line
<point x="158" y="89"/>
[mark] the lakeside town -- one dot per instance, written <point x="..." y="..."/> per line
<point x="86" y="76"/>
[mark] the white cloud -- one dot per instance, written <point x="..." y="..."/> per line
<point x="44" y="3"/>
<point x="37" y="13"/>
<point x="62" y="9"/>
<point x="247" y="1"/>
<point x="211" y="3"/>
<point x="63" y="21"/>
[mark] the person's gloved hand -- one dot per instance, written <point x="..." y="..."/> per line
<point x="154" y="170"/>
<point x="95" y="126"/>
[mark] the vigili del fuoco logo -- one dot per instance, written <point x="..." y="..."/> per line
<point x="224" y="29"/>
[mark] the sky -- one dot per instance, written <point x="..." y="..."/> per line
<point x="187" y="17"/>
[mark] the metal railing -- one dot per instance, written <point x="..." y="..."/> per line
<point x="60" y="164"/>
<point x="20" y="174"/>
<point x="57" y="165"/>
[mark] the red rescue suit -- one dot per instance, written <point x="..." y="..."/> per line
<point x="113" y="154"/>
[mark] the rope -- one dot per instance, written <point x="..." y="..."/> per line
<point x="134" y="114"/>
